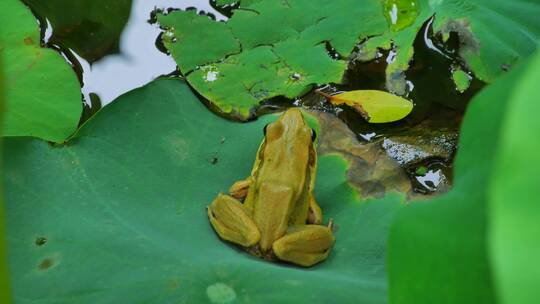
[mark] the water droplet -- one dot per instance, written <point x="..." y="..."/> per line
<point x="220" y="293"/>
<point x="211" y="76"/>
<point x="401" y="13"/>
<point x="295" y="76"/>
<point x="393" y="14"/>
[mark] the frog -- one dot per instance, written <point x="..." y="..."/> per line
<point x="272" y="213"/>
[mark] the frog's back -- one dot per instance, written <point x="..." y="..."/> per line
<point x="283" y="178"/>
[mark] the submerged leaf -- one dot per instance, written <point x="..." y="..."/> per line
<point x="83" y="26"/>
<point x="375" y="106"/>
<point x="462" y="80"/>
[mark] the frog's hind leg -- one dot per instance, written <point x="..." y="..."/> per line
<point x="304" y="245"/>
<point x="232" y="222"/>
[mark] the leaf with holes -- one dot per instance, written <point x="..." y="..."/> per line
<point x="306" y="44"/>
<point x="310" y="41"/>
<point x="493" y="35"/>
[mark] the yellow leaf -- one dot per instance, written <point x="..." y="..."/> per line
<point x="375" y="106"/>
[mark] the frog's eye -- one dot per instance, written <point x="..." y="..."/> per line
<point x="264" y="129"/>
<point x="313" y="135"/>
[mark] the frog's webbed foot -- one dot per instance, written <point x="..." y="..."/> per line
<point x="256" y="251"/>
<point x="315" y="213"/>
<point x="231" y="221"/>
<point x="240" y="188"/>
<point x="304" y="245"/>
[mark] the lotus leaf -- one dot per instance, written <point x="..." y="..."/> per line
<point x="43" y="95"/>
<point x="117" y="214"/>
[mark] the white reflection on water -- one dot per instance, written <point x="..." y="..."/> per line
<point x="431" y="180"/>
<point x="139" y="61"/>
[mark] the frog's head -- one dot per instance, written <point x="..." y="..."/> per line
<point x="290" y="129"/>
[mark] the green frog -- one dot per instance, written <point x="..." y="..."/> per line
<point x="279" y="217"/>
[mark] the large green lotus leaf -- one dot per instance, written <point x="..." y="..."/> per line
<point x="268" y="48"/>
<point x="514" y="197"/>
<point x="493" y="34"/>
<point x="91" y="28"/>
<point x="122" y="207"/>
<point x="43" y="95"/>
<point x="438" y="250"/>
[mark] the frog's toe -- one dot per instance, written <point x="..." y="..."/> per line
<point x="231" y="221"/>
<point x="240" y="189"/>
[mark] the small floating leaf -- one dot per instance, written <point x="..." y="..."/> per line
<point x="462" y="80"/>
<point x="376" y="106"/>
<point x="257" y="62"/>
<point x="422" y="170"/>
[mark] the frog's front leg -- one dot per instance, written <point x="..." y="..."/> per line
<point x="315" y="213"/>
<point x="240" y="188"/>
<point x="304" y="245"/>
<point x="232" y="222"/>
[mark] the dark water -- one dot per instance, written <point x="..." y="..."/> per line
<point x="138" y="61"/>
<point x="438" y="106"/>
<point x="140" y="58"/>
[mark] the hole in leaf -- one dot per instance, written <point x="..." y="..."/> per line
<point x="40" y="241"/>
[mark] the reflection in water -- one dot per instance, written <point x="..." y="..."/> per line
<point x="429" y="42"/>
<point x="368" y="136"/>
<point x="431" y="176"/>
<point x="47" y="33"/>
<point x="139" y="61"/>
<point x="431" y="180"/>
